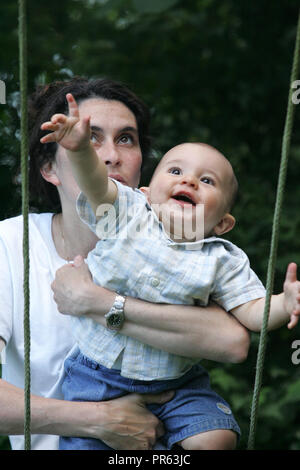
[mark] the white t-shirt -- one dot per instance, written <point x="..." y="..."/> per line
<point x="51" y="338"/>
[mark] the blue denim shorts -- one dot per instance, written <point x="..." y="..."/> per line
<point x="195" y="408"/>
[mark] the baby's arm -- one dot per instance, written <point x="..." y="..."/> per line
<point x="89" y="170"/>
<point x="283" y="307"/>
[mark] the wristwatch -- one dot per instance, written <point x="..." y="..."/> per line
<point x="115" y="317"/>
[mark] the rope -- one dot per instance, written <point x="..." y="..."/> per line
<point x="274" y="240"/>
<point x="25" y="209"/>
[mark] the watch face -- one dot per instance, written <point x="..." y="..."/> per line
<point x="115" y="319"/>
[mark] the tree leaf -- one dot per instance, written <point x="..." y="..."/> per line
<point x="293" y="392"/>
<point x="153" y="6"/>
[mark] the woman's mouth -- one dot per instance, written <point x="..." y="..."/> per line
<point x="118" y="178"/>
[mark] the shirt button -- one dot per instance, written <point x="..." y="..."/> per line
<point x="154" y="282"/>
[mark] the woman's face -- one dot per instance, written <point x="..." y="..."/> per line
<point x="114" y="134"/>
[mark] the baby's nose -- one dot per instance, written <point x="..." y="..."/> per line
<point x="190" y="180"/>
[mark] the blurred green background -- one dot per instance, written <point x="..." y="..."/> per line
<point x="212" y="71"/>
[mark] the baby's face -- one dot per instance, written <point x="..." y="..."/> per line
<point x="191" y="186"/>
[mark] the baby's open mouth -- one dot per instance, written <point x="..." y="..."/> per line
<point x="184" y="199"/>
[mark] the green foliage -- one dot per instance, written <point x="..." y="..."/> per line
<point x="4" y="443"/>
<point x="210" y="71"/>
<point x="155" y="6"/>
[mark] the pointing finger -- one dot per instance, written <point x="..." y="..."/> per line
<point x="73" y="107"/>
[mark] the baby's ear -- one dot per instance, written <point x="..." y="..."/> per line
<point x="225" y="225"/>
<point x="145" y="190"/>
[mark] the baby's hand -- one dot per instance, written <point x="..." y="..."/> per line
<point x="291" y="288"/>
<point x="69" y="131"/>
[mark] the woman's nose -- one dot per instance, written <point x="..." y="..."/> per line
<point x="109" y="154"/>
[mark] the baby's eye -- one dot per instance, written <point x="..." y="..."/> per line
<point x="207" y="180"/>
<point x="175" y="171"/>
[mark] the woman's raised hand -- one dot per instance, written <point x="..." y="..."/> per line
<point x="69" y="131"/>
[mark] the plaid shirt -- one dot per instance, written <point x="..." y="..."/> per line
<point x="156" y="269"/>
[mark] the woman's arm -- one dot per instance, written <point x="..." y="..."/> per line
<point x="123" y="423"/>
<point x="208" y="333"/>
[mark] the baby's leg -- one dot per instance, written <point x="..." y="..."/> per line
<point x="218" y="439"/>
<point x="197" y="418"/>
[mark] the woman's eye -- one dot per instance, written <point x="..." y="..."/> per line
<point x="94" y="138"/>
<point x="175" y="171"/>
<point x="207" y="180"/>
<point x="126" y="139"/>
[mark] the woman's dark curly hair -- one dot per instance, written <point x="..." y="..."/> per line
<point x="51" y="99"/>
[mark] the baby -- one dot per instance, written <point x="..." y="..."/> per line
<point x="161" y="244"/>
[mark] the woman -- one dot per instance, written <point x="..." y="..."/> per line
<point x="120" y="125"/>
